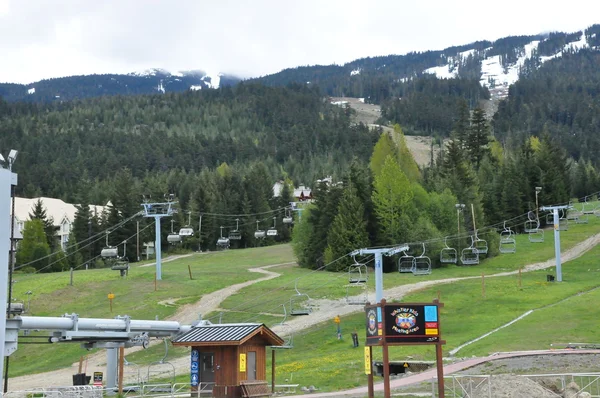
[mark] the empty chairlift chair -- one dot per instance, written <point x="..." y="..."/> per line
<point x="357" y="273"/>
<point x="259" y="233"/>
<point x="173" y="238"/>
<point x="563" y="223"/>
<point x="587" y="207"/>
<point x="448" y="255"/>
<point x="422" y="264"/>
<point x="287" y="219"/>
<point x="532" y="224"/>
<point x="480" y="245"/>
<point x="222" y="242"/>
<point x="298" y="305"/>
<point x="470" y="255"/>
<point x="583" y="214"/>
<point x="236" y="234"/>
<point x="187" y="230"/>
<point x="508" y="244"/>
<point x="536" y="236"/>
<point x="405" y="263"/>
<point x="109" y="252"/>
<point x="272" y="231"/>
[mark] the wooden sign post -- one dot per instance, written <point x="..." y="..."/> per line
<point x="404" y="324"/>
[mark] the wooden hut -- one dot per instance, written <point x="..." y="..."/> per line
<point x="229" y="360"/>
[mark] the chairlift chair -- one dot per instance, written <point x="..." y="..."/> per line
<point x="272" y="231"/>
<point x="405" y="263"/>
<point x="508" y="244"/>
<point x="289" y="342"/>
<point x="583" y="214"/>
<point x="109" y="252"/>
<point x="532" y="224"/>
<point x="296" y="307"/>
<point x="236" y="234"/>
<point x="536" y="236"/>
<point x="480" y="245"/>
<point x="121" y="263"/>
<point x="287" y="219"/>
<point x="173" y="238"/>
<point x="222" y="242"/>
<point x="448" y="255"/>
<point x="259" y="233"/>
<point x="470" y="255"/>
<point x="421" y="264"/>
<point x="585" y="209"/>
<point x="358" y="273"/>
<point x="187" y="230"/>
<point x="563" y="222"/>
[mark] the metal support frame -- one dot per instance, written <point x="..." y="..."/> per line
<point x="157" y="211"/>
<point x="389" y="251"/>
<point x="554" y="210"/>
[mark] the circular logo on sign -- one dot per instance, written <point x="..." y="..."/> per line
<point x="406" y="320"/>
<point x="372" y="322"/>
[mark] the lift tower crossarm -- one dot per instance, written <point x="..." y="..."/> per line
<point x="387" y="251"/>
<point x="554" y="210"/>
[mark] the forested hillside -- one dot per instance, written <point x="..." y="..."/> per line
<point x="74" y="147"/>
<point x="80" y="87"/>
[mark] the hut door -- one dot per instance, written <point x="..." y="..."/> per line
<point x="251" y="364"/>
<point x="207" y="370"/>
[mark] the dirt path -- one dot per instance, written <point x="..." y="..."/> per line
<point x="324" y="311"/>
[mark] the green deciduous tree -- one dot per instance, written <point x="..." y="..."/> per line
<point x="34" y="249"/>
<point x="392" y="196"/>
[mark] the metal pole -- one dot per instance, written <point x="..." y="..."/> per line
<point x="6" y="177"/>
<point x="200" y="234"/>
<point x="378" y="277"/>
<point x="157" y="249"/>
<point x="557" y="246"/>
<point x="537" y="216"/>
<point x="138" y="240"/>
<point x="112" y="356"/>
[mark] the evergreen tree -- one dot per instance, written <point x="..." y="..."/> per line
<point x="348" y="231"/>
<point x="74" y="257"/>
<point x="460" y="130"/>
<point x="477" y="138"/>
<point x="125" y="203"/>
<point x="38" y="212"/>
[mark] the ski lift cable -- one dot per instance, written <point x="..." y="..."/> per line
<point x="94" y="258"/>
<point x="278" y="210"/>
<point x="100" y="234"/>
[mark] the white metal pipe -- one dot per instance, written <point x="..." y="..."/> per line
<point x="99" y="324"/>
<point x="112" y="359"/>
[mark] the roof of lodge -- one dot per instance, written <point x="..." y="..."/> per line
<point x="227" y="334"/>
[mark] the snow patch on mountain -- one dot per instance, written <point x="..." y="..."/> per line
<point x="443" y="72"/>
<point x="493" y="73"/>
<point x="195" y="87"/>
<point x="31" y="91"/>
<point x="355" y="72"/>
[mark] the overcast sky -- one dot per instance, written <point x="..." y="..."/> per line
<point x="51" y="38"/>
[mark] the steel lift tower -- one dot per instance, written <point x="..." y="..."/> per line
<point x="390" y="251"/>
<point x="158" y="211"/>
<point x="554" y="210"/>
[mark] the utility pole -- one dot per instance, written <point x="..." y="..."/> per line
<point x="200" y="234"/>
<point x="137" y="246"/>
<point x="554" y="210"/>
<point x="157" y="211"/>
<point x="537" y="191"/>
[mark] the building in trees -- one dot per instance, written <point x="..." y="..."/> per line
<point x="61" y="214"/>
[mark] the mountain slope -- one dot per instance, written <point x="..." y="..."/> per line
<point x="151" y="81"/>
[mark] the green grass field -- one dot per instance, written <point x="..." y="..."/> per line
<point x="318" y="357"/>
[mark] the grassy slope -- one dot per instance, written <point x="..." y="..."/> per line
<point x="319" y="358"/>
